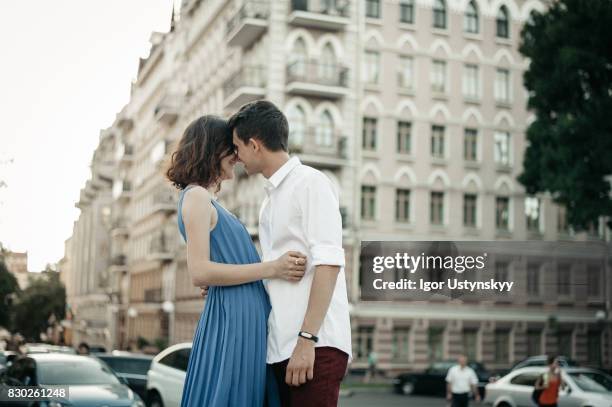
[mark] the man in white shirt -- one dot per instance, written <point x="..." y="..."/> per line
<point x="460" y="379"/>
<point x="309" y="334"/>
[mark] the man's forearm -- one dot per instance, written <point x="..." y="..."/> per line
<point x="321" y="291"/>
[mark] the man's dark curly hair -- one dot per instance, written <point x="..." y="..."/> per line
<point x="263" y="121"/>
<point x="197" y="159"/>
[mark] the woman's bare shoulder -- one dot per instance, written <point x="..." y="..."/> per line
<point x="196" y="196"/>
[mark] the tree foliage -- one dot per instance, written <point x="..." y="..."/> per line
<point x="44" y="296"/>
<point x="569" y="80"/>
<point x="8" y="287"/>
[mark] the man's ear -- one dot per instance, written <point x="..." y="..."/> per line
<point x="255" y="144"/>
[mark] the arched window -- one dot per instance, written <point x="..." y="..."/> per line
<point x="325" y="130"/>
<point x="439" y="14"/>
<point x="471" y="18"/>
<point x="298" y="58"/>
<point x="297" y="127"/>
<point x="503" y="23"/>
<point x="327" y="67"/>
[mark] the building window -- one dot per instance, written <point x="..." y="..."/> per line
<point x="436" y="208"/>
<point x="298" y="59"/>
<point x="297" y="127"/>
<point x="435" y="342"/>
<point x="407" y="11"/>
<point x="532" y="213"/>
<point x="371" y="67"/>
<point x="470" y="145"/>
<point x="562" y="220"/>
<point x="405" y="77"/>
<point x="437" y="141"/>
<point x="328" y="71"/>
<point x="594" y="348"/>
<point x="502" y="272"/>
<point x="404" y="142"/>
<point x="369" y="133"/>
<point x="471" y="88"/>
<point x="502" y="213"/>
<point x="400" y="346"/>
<point x="533" y="279"/>
<point x="564" y="343"/>
<point x="503" y="23"/>
<point x="438" y="76"/>
<point x="324" y="135"/>
<point x="469" y="210"/>
<point x="368" y="202"/>
<point x="502" y="346"/>
<point x="365" y="342"/>
<point x="502" y="148"/>
<point x="439" y="14"/>
<point x="593" y="281"/>
<point x="470" y="343"/>
<point x="502" y="85"/>
<point x="470" y="22"/>
<point x="564" y="279"/>
<point x="534" y="342"/>
<point x="373" y="8"/>
<point x="402" y="205"/>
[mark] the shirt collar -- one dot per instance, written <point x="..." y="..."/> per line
<point x="275" y="179"/>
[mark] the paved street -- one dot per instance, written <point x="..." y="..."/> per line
<point x="390" y="400"/>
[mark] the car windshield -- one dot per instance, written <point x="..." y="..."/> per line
<point x="592" y="381"/>
<point x="75" y="372"/>
<point x="129" y="366"/>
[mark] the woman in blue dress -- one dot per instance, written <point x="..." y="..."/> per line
<point x="227" y="366"/>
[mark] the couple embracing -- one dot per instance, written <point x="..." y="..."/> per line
<point x="274" y="331"/>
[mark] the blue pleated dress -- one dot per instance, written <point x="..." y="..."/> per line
<point x="227" y="365"/>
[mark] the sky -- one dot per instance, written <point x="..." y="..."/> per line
<point x="65" y="71"/>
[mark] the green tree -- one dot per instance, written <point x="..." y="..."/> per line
<point x="569" y="80"/>
<point x="44" y="296"/>
<point x="8" y="289"/>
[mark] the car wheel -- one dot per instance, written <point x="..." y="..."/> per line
<point x="503" y="404"/>
<point x="155" y="400"/>
<point x="407" y="388"/>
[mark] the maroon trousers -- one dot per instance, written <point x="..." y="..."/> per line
<point x="323" y="390"/>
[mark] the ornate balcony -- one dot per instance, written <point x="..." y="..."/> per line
<point x="160" y="248"/>
<point x="320" y="14"/>
<point x="313" y="78"/>
<point x="319" y="148"/>
<point x="246" y="85"/>
<point x="168" y="109"/>
<point x="248" y="24"/>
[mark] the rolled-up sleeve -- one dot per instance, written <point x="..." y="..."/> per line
<point x="321" y="221"/>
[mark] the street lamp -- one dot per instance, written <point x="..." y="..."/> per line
<point x="168" y="307"/>
<point x="132" y="312"/>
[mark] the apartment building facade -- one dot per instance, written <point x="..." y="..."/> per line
<point x="416" y="112"/>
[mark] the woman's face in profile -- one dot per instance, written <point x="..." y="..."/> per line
<point x="227" y="165"/>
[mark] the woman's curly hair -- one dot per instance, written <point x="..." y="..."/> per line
<point x="197" y="159"/>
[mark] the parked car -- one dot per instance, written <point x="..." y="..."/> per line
<point x="7" y="357"/>
<point x="585" y="387"/>
<point x="433" y="379"/>
<point x="131" y="367"/>
<point x="542" y="360"/>
<point x="31" y="348"/>
<point x="166" y="376"/>
<point x="91" y="381"/>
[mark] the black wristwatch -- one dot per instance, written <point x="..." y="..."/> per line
<point x="309" y="336"/>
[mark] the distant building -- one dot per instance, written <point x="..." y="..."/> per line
<point x="17" y="265"/>
<point x="414" y="109"/>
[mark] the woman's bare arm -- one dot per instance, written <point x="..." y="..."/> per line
<point x="197" y="212"/>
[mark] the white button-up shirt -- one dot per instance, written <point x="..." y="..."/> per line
<point x="301" y="213"/>
<point x="460" y="379"/>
